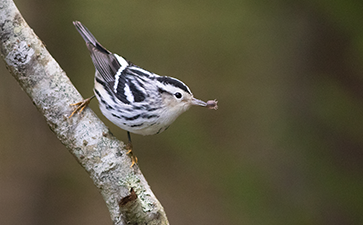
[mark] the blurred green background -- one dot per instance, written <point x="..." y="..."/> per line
<point x="285" y="146"/>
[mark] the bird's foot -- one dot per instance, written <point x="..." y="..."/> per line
<point x="129" y="152"/>
<point x="81" y="105"/>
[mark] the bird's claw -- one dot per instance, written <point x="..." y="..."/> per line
<point x="133" y="157"/>
<point x="81" y="105"/>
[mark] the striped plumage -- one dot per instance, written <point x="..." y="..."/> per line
<point x="135" y="99"/>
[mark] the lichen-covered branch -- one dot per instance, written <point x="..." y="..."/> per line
<point x="125" y="190"/>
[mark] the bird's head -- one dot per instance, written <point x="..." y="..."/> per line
<point x="178" y="98"/>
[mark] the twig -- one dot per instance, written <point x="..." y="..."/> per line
<point x="124" y="189"/>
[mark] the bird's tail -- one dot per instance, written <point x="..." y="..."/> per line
<point x="88" y="37"/>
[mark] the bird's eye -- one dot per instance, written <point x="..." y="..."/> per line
<point x="178" y="95"/>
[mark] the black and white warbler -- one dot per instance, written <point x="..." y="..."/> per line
<point x="132" y="98"/>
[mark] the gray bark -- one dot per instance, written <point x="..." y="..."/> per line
<point x="124" y="189"/>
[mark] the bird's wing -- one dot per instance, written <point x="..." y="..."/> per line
<point x="110" y="66"/>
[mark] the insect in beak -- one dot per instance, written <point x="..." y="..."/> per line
<point x="211" y="104"/>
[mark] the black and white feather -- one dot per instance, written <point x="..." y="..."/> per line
<point x="135" y="99"/>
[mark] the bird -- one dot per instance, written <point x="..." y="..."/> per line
<point x="134" y="99"/>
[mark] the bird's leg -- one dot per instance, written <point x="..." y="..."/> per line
<point x="129" y="148"/>
<point x="129" y="144"/>
<point x="81" y="105"/>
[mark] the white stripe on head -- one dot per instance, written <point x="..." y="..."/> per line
<point x="128" y="93"/>
<point x="123" y="64"/>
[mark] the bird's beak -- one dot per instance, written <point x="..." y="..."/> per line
<point x="198" y="102"/>
<point x="211" y="104"/>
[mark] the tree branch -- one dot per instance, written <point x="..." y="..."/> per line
<point x="124" y="189"/>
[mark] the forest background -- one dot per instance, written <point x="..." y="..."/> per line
<point x="285" y="146"/>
